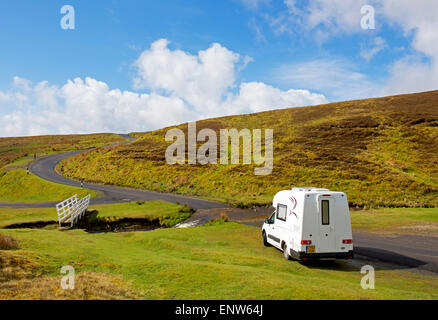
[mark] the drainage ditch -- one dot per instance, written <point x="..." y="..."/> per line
<point x="93" y="224"/>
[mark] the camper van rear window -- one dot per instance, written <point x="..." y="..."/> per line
<point x="281" y="212"/>
<point x="325" y="210"/>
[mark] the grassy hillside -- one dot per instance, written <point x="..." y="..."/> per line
<point x="381" y="152"/>
<point x="16" y="153"/>
<point x="16" y="150"/>
<point x="18" y="186"/>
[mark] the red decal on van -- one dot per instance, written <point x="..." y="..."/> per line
<point x="294" y="202"/>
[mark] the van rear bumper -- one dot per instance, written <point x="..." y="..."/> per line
<point x="316" y="256"/>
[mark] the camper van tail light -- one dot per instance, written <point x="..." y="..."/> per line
<point x="347" y="241"/>
<point x="326" y="195"/>
<point x="306" y="241"/>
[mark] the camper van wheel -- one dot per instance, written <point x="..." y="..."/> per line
<point x="265" y="241"/>
<point x="286" y="252"/>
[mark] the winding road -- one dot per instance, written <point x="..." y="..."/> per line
<point x="45" y="168"/>
<point x="407" y="250"/>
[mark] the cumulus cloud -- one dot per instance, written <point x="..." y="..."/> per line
<point x="206" y="81"/>
<point x="181" y="87"/>
<point x="254" y="96"/>
<point x="83" y="106"/>
<point x="200" y="80"/>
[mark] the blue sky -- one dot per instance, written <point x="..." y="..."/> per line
<point x="109" y="36"/>
<point x="290" y="53"/>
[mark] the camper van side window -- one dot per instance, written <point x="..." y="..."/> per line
<point x="325" y="212"/>
<point x="281" y="212"/>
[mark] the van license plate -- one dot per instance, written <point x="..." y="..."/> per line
<point x="310" y="249"/>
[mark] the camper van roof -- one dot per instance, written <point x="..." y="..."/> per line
<point x="309" y="189"/>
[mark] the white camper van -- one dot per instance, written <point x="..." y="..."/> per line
<point x="310" y="223"/>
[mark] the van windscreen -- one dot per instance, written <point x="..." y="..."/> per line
<point x="325" y="212"/>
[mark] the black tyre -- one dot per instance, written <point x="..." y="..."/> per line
<point x="286" y="252"/>
<point x="265" y="240"/>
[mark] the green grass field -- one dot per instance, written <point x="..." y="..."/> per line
<point x="167" y="213"/>
<point x="422" y="221"/>
<point x="18" y="186"/>
<point x="381" y="152"/>
<point x="222" y="261"/>
<point x="217" y="261"/>
<point x="22" y="161"/>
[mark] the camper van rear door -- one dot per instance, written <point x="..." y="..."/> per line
<point x="327" y="232"/>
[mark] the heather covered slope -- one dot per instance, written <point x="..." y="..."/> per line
<point x="381" y="152"/>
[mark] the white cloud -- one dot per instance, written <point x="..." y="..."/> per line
<point x="344" y="16"/>
<point x="22" y="83"/>
<point x="332" y="16"/>
<point x="254" y="4"/>
<point x="411" y="75"/>
<point x="335" y="76"/>
<point x="257" y="31"/>
<point x="182" y="87"/>
<point x="378" y="44"/>
<point x="255" y="96"/>
<point x="200" y="80"/>
<point x="416" y="19"/>
<point x="83" y="106"/>
<point x="3" y="98"/>
<point x="420" y="19"/>
<point x="206" y="81"/>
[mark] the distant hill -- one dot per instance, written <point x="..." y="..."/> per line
<point x="381" y="152"/>
<point x="12" y="149"/>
